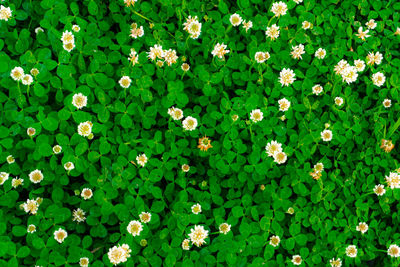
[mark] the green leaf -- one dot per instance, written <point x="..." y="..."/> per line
<point x="92" y="7"/>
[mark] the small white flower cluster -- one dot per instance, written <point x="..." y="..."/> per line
<point x="272" y="32"/>
<point x="175" y="113"/>
<point x="196" y="208"/>
<point x="393" y="180"/>
<point x="220" y="50"/>
<point x="18" y="74"/>
<point x="297" y="51"/>
<point x="193" y="27"/>
<point x="119" y="254"/>
<point x="85" y="129"/>
<point x="349" y="73"/>
<point x="157" y="52"/>
<point x="79" y="100"/>
<point x="68" y="40"/>
<point x="362" y="227"/>
<point x="261" y="57"/>
<point x="236" y="20"/>
<point x="136" y="31"/>
<point x="274" y="149"/>
<point x="256" y="115"/>
<point x="5" y="13"/>
<point x="142" y="159"/>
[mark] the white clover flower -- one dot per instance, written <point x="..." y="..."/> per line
<point x="186" y="244"/>
<point x="235" y="20"/>
<point x="125" y="81"/>
<point x="4" y="177"/>
<point x="306" y="25"/>
<point x="39" y="29"/>
<point x="175" y="113"/>
<point x="393" y="180"/>
<point x="362" y="227"/>
<point x="319" y="167"/>
<point x="67" y="37"/>
<point x="69" y="166"/>
<point x="79" y="100"/>
<point x="86" y="193"/>
<point x="78" y="215"/>
<point x="320" y="53"/>
<point x="17" y="73"/>
<point x="351" y="251"/>
<point x="219" y="50"/>
<point x="31" y="206"/>
<point x="338" y="101"/>
<point x="198" y="235"/>
<point x="387" y="103"/>
<point x="247" y="25"/>
<point x="31" y="131"/>
<point x="379" y="190"/>
<point x="185" y="168"/>
<point x="76" y="28"/>
<point x="371" y="24"/>
<point x="189" y="123"/>
<point x="142" y="159"/>
<point x="185" y="67"/>
<point x="378" y="79"/>
<point x="298" y="1"/>
<point x="36" y="176"/>
<point x="84" y="262"/>
<point x="31" y="228"/>
<point x="69" y="46"/>
<point x="145" y="217"/>
<point x="341" y="66"/>
<point x="5" y="13"/>
<point x="133" y="57"/>
<point x="10" y="159"/>
<point x="34" y="71"/>
<point x="15" y="182"/>
<point x="317" y="89"/>
<point x="136" y="31"/>
<point x="170" y="56"/>
<point x="193" y="28"/>
<point x="256" y="115"/>
<point x="224" y="228"/>
<point x="156" y="52"/>
<point x="274" y="240"/>
<point x="359" y="64"/>
<point x="279" y="8"/>
<point x="374" y="58"/>
<point x="196" y="208"/>
<point x="326" y="135"/>
<point x="335" y="263"/>
<point x="85" y="128"/>
<point x="284" y="104"/>
<point x="349" y="74"/>
<point x="394" y="251"/>
<point x="121" y="253"/>
<point x="296" y="259"/>
<point x="60" y="235"/>
<point x="27" y="79"/>
<point x="280" y="157"/>
<point x="287" y="77"/>
<point x="134" y="228"/>
<point x="261" y="57"/>
<point x="57" y="149"/>
<point x="272" y="32"/>
<point x="273" y="147"/>
<point x="362" y="34"/>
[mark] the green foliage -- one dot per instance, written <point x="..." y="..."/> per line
<point x="133" y="153"/>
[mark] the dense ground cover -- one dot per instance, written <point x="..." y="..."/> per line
<point x="199" y="133"/>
